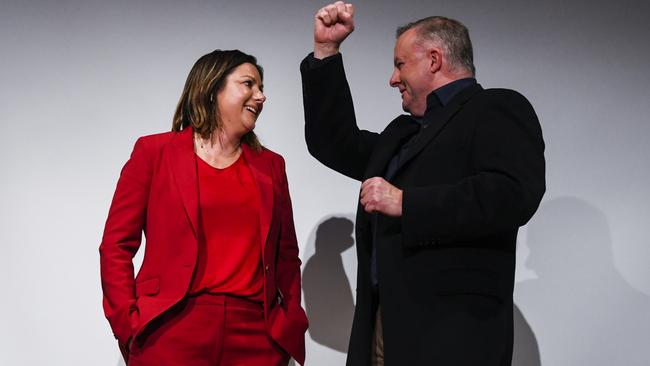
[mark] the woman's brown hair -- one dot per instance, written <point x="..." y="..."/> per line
<point x="197" y="106"/>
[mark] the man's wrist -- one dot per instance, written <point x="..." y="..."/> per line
<point x="400" y="202"/>
<point x="323" y="50"/>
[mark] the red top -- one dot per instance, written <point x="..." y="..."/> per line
<point x="230" y="247"/>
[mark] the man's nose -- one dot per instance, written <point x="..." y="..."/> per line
<point x="394" y="79"/>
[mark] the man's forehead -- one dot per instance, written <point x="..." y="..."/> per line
<point x="409" y="44"/>
<point x="404" y="44"/>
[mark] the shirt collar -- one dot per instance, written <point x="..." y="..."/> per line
<point x="443" y="95"/>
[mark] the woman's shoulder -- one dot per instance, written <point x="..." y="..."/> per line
<point x="159" y="138"/>
<point x="266" y="155"/>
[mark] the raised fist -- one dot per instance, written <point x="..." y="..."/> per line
<point x="332" y="24"/>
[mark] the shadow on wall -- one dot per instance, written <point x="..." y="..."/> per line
<point x="580" y="307"/>
<point x="328" y="297"/>
<point x="525" y="350"/>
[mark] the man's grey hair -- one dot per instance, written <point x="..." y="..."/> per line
<point x="449" y="34"/>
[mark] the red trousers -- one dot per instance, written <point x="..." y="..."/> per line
<point x="208" y="330"/>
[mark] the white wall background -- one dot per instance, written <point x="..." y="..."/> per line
<point x="81" y="80"/>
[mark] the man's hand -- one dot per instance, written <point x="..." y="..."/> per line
<point x="332" y="24"/>
<point x="377" y="195"/>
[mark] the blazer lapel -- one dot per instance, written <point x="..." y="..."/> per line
<point x="438" y="120"/>
<point x="183" y="164"/>
<point x="390" y="141"/>
<point x="261" y="171"/>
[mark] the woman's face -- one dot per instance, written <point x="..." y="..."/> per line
<point x="240" y="100"/>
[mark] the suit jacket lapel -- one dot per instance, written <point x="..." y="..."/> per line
<point x="183" y="166"/>
<point x="438" y="120"/>
<point x="261" y="171"/>
<point x="390" y="141"/>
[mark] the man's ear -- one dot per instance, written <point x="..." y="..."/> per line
<point x="435" y="57"/>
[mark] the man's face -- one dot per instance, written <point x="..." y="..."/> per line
<point x="412" y="73"/>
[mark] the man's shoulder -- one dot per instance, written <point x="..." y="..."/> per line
<point x="500" y="94"/>
<point x="499" y="97"/>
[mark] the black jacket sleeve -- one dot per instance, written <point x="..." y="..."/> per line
<point x="331" y="131"/>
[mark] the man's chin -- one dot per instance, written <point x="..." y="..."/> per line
<point x="408" y="108"/>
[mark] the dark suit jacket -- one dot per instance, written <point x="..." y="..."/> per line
<point x="158" y="193"/>
<point x="446" y="266"/>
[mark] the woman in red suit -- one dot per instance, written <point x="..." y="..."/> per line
<point x="220" y="279"/>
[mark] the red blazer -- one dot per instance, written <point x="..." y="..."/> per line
<point x="157" y="193"/>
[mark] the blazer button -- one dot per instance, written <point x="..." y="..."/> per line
<point x="266" y="268"/>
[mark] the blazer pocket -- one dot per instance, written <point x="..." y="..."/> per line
<point x="147" y="287"/>
<point x="468" y="282"/>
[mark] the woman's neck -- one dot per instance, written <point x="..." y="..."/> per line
<point x="220" y="150"/>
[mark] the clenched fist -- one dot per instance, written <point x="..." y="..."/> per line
<point x="332" y="24"/>
<point x="377" y="195"/>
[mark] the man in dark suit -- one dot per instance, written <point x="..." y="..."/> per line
<point x="444" y="192"/>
